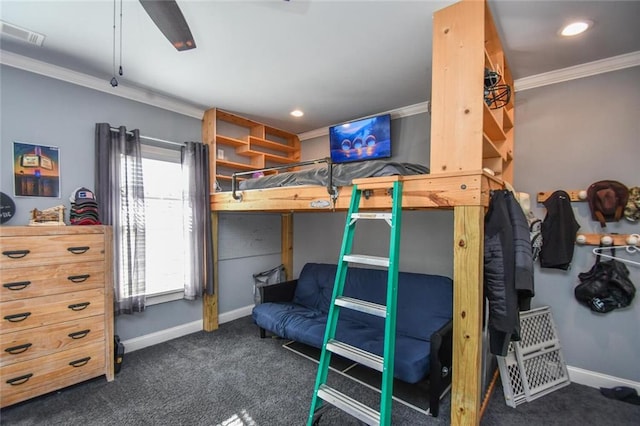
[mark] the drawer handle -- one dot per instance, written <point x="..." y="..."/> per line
<point x="78" y="278"/>
<point x="20" y="380"/>
<point x="79" y="334"/>
<point x="79" y="250"/>
<point x="17" y="317"/>
<point x="17" y="286"/>
<point x="78" y="306"/>
<point x="16" y="254"/>
<point x="80" y="362"/>
<point x="15" y="350"/>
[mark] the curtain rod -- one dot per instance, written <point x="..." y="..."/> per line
<point x="149" y="138"/>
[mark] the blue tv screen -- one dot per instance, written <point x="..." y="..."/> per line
<point x="365" y="139"/>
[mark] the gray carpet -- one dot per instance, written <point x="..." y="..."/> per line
<point x="233" y="378"/>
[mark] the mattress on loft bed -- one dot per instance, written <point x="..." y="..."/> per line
<point x="342" y="174"/>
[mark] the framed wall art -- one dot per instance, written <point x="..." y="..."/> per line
<point x="36" y="170"/>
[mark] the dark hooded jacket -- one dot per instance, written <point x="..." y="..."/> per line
<point x="508" y="269"/>
<point x="559" y="229"/>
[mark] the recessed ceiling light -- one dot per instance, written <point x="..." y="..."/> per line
<point x="575" y="28"/>
<point x="297" y="113"/>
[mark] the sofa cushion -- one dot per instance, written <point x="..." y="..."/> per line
<point x="304" y="325"/>
<point x="424" y="304"/>
<point x="315" y="286"/>
<point x="292" y="321"/>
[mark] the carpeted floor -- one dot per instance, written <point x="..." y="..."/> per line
<point x="233" y="378"/>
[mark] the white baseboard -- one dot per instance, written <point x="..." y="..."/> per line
<point x="235" y="314"/>
<point x="599" y="380"/>
<point x="180" y="330"/>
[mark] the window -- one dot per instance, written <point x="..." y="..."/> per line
<point x="164" y="235"/>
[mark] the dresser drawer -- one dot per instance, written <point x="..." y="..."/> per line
<point x="38" y="311"/>
<point x="36" y="342"/>
<point x="25" y="251"/>
<point x="20" y="283"/>
<point x="38" y="376"/>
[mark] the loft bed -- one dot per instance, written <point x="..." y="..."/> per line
<point x="471" y="154"/>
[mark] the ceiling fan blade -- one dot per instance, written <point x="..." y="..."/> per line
<point x="170" y="21"/>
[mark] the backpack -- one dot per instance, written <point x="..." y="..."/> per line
<point x="262" y="279"/>
<point x="605" y="287"/>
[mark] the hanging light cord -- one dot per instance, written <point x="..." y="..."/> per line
<point x="114" y="38"/>
<point x="120" y="69"/>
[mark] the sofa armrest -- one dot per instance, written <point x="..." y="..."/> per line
<point x="441" y="359"/>
<point x="280" y="292"/>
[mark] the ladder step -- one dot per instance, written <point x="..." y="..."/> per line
<point x="364" y="259"/>
<point x="349" y="405"/>
<point x="356" y="354"/>
<point x="371" y="215"/>
<point x="362" y="306"/>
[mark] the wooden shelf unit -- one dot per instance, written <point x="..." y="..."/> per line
<point x="465" y="133"/>
<point x="248" y="144"/>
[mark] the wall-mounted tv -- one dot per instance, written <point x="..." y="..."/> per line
<point x="365" y="139"/>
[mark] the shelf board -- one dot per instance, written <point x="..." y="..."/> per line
<point x="226" y="140"/>
<point x="507" y="118"/>
<point x="234" y="165"/>
<point x="271" y="145"/>
<point x="225" y="177"/>
<point x="271" y="157"/>
<point x="491" y="126"/>
<point x="487" y="61"/>
<point x="235" y="119"/>
<point x="489" y="148"/>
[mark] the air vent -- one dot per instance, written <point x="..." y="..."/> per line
<point x="21" y="33"/>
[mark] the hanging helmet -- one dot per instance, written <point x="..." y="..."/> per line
<point x="496" y="95"/>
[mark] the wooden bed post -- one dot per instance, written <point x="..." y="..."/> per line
<point x="287" y="244"/>
<point x="210" y="303"/>
<point x="468" y="258"/>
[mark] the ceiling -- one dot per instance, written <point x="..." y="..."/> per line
<point x="335" y="60"/>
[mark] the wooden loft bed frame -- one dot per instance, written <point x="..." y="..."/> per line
<point x="467" y="140"/>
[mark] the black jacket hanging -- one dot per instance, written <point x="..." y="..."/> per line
<point x="499" y="275"/>
<point x="559" y="229"/>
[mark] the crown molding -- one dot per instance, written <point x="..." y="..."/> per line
<point x="14" y="60"/>
<point x="122" y="90"/>
<point x="601" y="66"/>
<point x="395" y="113"/>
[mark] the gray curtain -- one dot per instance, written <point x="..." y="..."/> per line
<point x="197" y="220"/>
<point x="120" y="195"/>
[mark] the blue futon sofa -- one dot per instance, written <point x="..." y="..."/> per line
<point x="298" y="309"/>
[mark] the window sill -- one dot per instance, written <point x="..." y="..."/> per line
<point x="168" y="296"/>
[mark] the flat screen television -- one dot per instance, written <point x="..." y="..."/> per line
<point x="366" y="139"/>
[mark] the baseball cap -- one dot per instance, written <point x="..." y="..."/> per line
<point x="83" y="196"/>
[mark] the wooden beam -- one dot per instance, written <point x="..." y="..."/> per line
<point x="458" y="108"/>
<point x="468" y="250"/>
<point x="574" y="195"/>
<point x="108" y="299"/>
<point x="210" y="302"/>
<point x="287" y="244"/>
<point x="444" y="190"/>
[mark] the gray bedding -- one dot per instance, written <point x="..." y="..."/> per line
<point x="343" y="174"/>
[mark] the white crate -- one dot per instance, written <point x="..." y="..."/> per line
<point x="534" y="366"/>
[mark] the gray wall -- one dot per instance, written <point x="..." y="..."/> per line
<point x="41" y="110"/>
<point x="568" y="136"/>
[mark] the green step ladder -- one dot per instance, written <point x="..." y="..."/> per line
<point x="322" y="392"/>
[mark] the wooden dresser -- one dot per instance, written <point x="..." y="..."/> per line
<point x="56" y="308"/>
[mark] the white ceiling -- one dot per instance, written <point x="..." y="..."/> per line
<point x="336" y="60"/>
